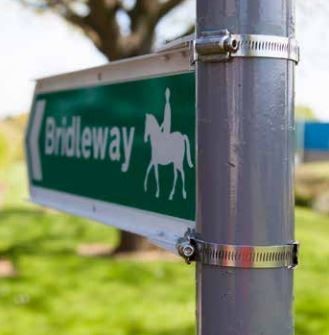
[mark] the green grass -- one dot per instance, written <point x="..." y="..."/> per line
<point x="312" y="276"/>
<point x="59" y="292"/>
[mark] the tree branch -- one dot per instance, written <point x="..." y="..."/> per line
<point x="143" y="17"/>
<point x="102" y="27"/>
<point x="167" y="6"/>
<point x="142" y="10"/>
<point x="189" y="30"/>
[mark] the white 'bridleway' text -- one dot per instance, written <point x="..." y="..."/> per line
<point x="71" y="140"/>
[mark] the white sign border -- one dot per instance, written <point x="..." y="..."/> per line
<point x="161" y="229"/>
<point x="136" y="68"/>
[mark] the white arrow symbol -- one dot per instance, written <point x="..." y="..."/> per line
<point x="34" y="140"/>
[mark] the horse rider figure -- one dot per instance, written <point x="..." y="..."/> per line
<point x="166" y="125"/>
<point x="166" y="148"/>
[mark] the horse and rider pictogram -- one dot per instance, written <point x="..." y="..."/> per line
<point x="166" y="148"/>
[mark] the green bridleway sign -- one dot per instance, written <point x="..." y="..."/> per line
<point x="117" y="144"/>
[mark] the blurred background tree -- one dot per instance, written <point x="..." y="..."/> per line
<point x="119" y="29"/>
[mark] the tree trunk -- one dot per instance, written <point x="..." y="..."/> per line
<point x="131" y="243"/>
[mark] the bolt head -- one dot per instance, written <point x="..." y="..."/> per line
<point x="188" y="250"/>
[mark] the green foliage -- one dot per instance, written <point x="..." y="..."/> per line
<point x="4" y="150"/>
<point x="304" y="113"/>
<point x="11" y="139"/>
<point x="311" y="284"/>
<point x="59" y="292"/>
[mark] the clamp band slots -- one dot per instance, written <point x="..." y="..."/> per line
<point x="239" y="256"/>
<point x="266" y="46"/>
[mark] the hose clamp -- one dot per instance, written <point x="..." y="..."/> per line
<point x="192" y="248"/>
<point x="222" y="45"/>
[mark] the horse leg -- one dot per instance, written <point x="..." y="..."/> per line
<point x="147" y="176"/>
<point x="183" y="182"/>
<point x="156" y="171"/>
<point x="174" y="184"/>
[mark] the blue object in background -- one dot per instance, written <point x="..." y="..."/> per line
<point x="316" y="136"/>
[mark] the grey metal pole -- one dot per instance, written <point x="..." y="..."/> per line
<point x="245" y="170"/>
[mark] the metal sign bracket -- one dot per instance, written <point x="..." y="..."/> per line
<point x="192" y="248"/>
